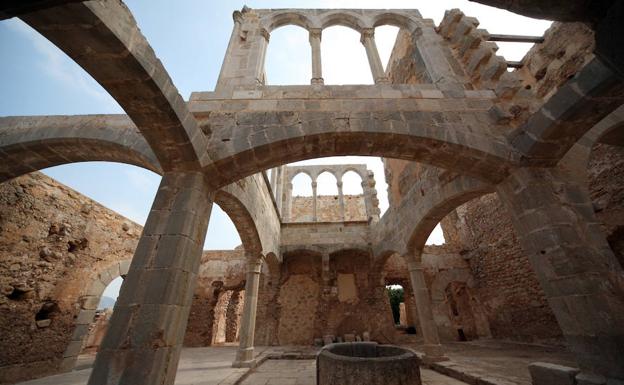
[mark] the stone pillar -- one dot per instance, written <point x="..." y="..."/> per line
<point x="341" y="200"/>
<point x="583" y="281"/>
<point x="314" y="216"/>
<point x="144" y="339"/>
<point x="317" y="68"/>
<point x="432" y="348"/>
<point x="368" y="40"/>
<point x="245" y="353"/>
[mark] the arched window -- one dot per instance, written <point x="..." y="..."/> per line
<point x="302" y="185"/>
<point x="286" y="43"/>
<point x="326" y="184"/>
<point x="352" y="183"/>
<point x="344" y="57"/>
<point x="385" y="37"/>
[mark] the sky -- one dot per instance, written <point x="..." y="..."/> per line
<point x="190" y="37"/>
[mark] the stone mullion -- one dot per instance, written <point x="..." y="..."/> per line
<point x="582" y="279"/>
<point x="146" y="331"/>
<point x="317" y="68"/>
<point x="368" y="40"/>
<point x="341" y="201"/>
<point x="314" y="203"/>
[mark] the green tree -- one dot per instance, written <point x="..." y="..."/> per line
<point x="395" y="294"/>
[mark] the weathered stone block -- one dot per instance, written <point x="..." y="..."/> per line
<point x="543" y="373"/>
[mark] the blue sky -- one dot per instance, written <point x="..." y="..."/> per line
<point x="190" y="37"/>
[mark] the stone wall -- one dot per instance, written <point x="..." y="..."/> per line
<point x="55" y="241"/>
<point x="315" y="298"/>
<point x="328" y="208"/>
<point x="221" y="279"/>
<point x="503" y="278"/>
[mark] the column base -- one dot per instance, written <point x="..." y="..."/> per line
<point x="244" y="358"/>
<point x="244" y="364"/>
<point x="434" y="353"/>
<point x="383" y="80"/>
<point x="317" y="81"/>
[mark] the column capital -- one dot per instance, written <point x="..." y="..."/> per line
<point x="315" y="33"/>
<point x="254" y="264"/>
<point x="265" y="34"/>
<point x="367" y="33"/>
<point x="314" y="184"/>
<point x="339" y="184"/>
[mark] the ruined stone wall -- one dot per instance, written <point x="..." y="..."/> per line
<point x="499" y="289"/>
<point x="606" y="186"/>
<point x="314" y="299"/>
<point x="504" y="280"/>
<point x="328" y="208"/>
<point x="448" y="277"/>
<point x="221" y="278"/>
<point x="54" y="242"/>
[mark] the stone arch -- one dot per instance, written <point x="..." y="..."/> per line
<point x="88" y="304"/>
<point x="424" y="207"/>
<point x="325" y="169"/>
<point x="242" y="219"/>
<point x="395" y="19"/>
<point x="437" y="205"/>
<point x="298" y="171"/>
<point x="358" y="170"/>
<point x="344" y="19"/>
<point x="281" y="19"/>
<point x="41" y="142"/>
<point x="453" y="148"/>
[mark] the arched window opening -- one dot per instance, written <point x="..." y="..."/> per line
<point x="326" y="184"/>
<point x="436" y="237"/>
<point x="286" y="43"/>
<point x="302" y="185"/>
<point x="352" y="183"/>
<point x="344" y="57"/>
<point x="385" y="37"/>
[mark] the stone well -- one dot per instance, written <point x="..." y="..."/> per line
<point x="356" y="363"/>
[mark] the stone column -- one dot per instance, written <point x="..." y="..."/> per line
<point x="341" y="200"/>
<point x="144" y="339"/>
<point x="317" y="68"/>
<point x="245" y="354"/>
<point x="368" y="40"/>
<point x="314" y="216"/>
<point x="583" y="281"/>
<point x="433" y="349"/>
